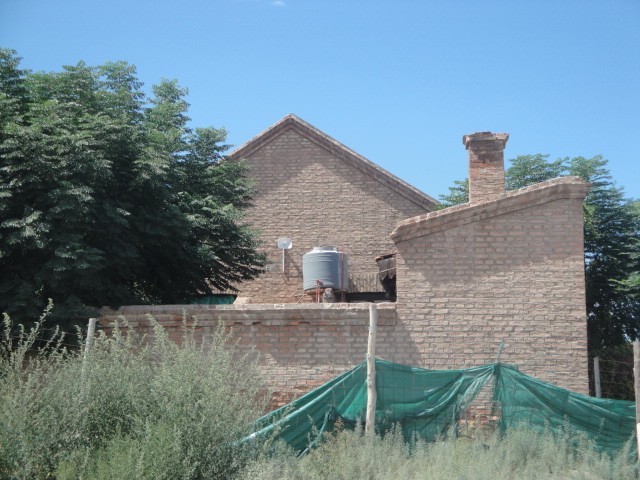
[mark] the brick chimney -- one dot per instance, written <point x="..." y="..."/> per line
<point x="486" y="164"/>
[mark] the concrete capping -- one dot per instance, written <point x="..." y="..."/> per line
<point x="483" y="138"/>
<point x="534" y="195"/>
<point x="285" y="314"/>
<point x="247" y="307"/>
<point x="292" y="122"/>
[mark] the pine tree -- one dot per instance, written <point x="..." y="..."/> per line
<point x="611" y="233"/>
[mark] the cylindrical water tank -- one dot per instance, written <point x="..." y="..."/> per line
<point x="327" y="265"/>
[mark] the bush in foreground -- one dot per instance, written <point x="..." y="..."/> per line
<point x="153" y="409"/>
<point x="519" y="455"/>
<point x="134" y="408"/>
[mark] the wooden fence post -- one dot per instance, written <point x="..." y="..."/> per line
<point x="636" y="385"/>
<point x="369" y="426"/>
<point x="596" y="376"/>
<point x="91" y="331"/>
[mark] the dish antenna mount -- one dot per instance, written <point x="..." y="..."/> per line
<point x="284" y="243"/>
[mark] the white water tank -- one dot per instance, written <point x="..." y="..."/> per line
<point x="327" y="265"/>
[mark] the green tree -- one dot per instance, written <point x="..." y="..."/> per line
<point x="458" y="194"/>
<point x="108" y="197"/>
<point x="631" y="284"/>
<point x="612" y="248"/>
<point x="527" y="170"/>
<point x="611" y="232"/>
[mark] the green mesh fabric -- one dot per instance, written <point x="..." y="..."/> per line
<point x="529" y="403"/>
<point x="428" y="404"/>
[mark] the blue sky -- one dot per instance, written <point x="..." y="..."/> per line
<point x="399" y="82"/>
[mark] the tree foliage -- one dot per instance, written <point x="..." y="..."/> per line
<point x="108" y="197"/>
<point x="458" y="194"/>
<point x="612" y="248"/>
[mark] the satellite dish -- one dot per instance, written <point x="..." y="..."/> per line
<point x="285" y="243"/>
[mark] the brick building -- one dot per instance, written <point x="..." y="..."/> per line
<point x="318" y="192"/>
<point x="506" y="269"/>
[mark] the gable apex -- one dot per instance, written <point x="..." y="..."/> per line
<point x="344" y="153"/>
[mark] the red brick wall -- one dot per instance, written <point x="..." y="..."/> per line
<point x="306" y="192"/>
<point x="511" y="270"/>
<point x="300" y="347"/>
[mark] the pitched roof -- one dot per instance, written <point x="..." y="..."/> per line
<point x="292" y="122"/>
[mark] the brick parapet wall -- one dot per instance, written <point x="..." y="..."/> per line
<point x="299" y="347"/>
<point x="469" y="278"/>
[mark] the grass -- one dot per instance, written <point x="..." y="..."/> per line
<point x="519" y="454"/>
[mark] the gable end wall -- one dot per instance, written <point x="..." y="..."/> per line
<point x="309" y="194"/>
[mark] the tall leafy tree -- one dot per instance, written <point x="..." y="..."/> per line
<point x="631" y="284"/>
<point x="109" y="197"/>
<point x="527" y="170"/>
<point x="612" y="248"/>
<point x="612" y="226"/>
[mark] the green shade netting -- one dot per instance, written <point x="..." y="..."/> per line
<point x="428" y="404"/>
<point x="529" y="403"/>
<point x="424" y="402"/>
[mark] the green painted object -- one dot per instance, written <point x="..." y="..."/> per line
<point x="427" y="404"/>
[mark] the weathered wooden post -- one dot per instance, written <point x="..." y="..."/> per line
<point x="91" y="331"/>
<point x="636" y="385"/>
<point x="370" y="420"/>
<point x="596" y="376"/>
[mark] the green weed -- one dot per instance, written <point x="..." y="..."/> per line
<point x="133" y="408"/>
<point x="519" y="454"/>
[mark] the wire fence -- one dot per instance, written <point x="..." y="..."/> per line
<point x="69" y="340"/>
<point x="615" y="374"/>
